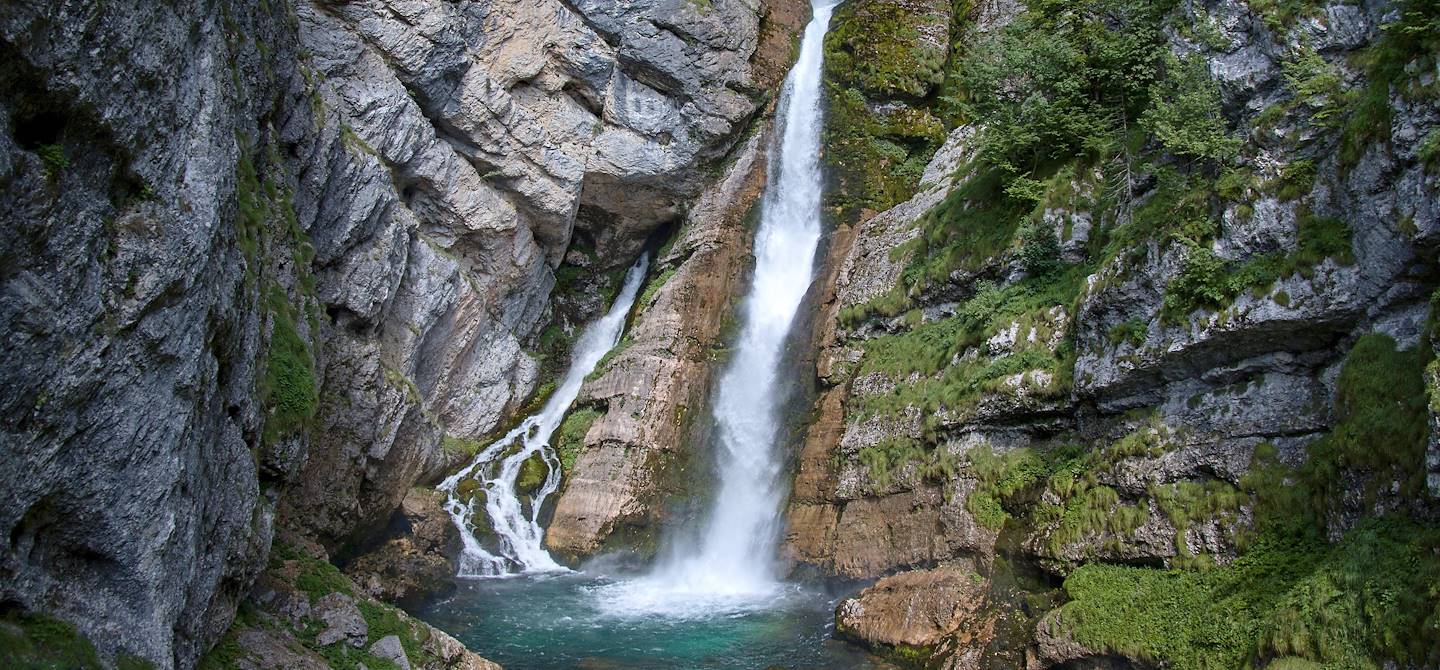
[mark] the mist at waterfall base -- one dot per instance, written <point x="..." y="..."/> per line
<point x="714" y="599"/>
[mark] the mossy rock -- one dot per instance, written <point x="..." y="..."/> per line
<point x="470" y="490"/>
<point x="532" y="475"/>
<point x="890" y="48"/>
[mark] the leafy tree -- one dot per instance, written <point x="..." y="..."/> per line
<point x="1185" y="114"/>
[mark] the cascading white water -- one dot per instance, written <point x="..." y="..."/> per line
<point x="517" y="531"/>
<point x="734" y="561"/>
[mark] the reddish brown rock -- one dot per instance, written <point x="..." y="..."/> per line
<point x="937" y="613"/>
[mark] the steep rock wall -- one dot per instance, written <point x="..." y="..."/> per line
<point x="1037" y="379"/>
<point x="263" y="260"/>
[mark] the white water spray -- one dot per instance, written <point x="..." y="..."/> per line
<point x="733" y="564"/>
<point x="518" y="533"/>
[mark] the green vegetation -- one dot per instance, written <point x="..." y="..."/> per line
<point x="460" y="446"/>
<point x="30" y="641"/>
<point x="1296" y="179"/>
<point x="1380" y="428"/>
<point x="1393" y="64"/>
<point x="954" y="383"/>
<point x="1209" y="282"/>
<point x="384" y="620"/>
<point x="533" y="472"/>
<point x="1185" y="115"/>
<point x="288" y="388"/>
<point x="1292" y="595"/>
<point x="876" y="157"/>
<point x="651" y="288"/>
<point x="1131" y="330"/>
<point x="1186" y="502"/>
<point x="879" y="49"/>
<point x="55" y="160"/>
<point x="874" y="53"/>
<point x="1280" y="14"/>
<point x="1429" y="152"/>
<point x="570" y="436"/>
<point x="1370" y="596"/>
<point x="316" y="578"/>
<point x="1077" y="506"/>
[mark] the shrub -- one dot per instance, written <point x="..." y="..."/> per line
<point x="1185" y="114"/>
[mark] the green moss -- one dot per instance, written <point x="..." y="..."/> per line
<point x="569" y="439"/>
<point x="533" y="472"/>
<point x="225" y="655"/>
<point x="875" y="156"/>
<point x="315" y="577"/>
<point x="384" y="621"/>
<point x="55" y="161"/>
<point x="652" y="287"/>
<point x="460" y="446"/>
<point x="879" y="48"/>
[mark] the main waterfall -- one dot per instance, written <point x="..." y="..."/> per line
<point x="733" y="563"/>
<point x="517" y="529"/>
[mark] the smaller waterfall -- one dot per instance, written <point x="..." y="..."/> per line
<point x="518" y="533"/>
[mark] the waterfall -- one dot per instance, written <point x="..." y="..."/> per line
<point x="733" y="562"/>
<point x="518" y="534"/>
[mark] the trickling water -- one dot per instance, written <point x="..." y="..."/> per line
<point x="733" y="564"/>
<point x="516" y="526"/>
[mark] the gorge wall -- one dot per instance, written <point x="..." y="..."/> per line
<point x="267" y="265"/>
<point x="1112" y="286"/>
<point x="1165" y="292"/>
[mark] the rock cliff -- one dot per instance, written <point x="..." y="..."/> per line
<point x="270" y="264"/>
<point x="1158" y="324"/>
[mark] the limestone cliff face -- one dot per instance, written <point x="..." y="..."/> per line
<point x="1065" y="396"/>
<point x="638" y="430"/>
<point x="262" y="259"/>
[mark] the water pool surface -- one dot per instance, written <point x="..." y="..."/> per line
<point x="570" y="621"/>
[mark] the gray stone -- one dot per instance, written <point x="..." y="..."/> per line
<point x="342" y="619"/>
<point x="389" y="648"/>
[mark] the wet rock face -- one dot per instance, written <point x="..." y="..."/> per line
<point x="635" y="452"/>
<point x="312" y="237"/>
<point x="415" y="558"/>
